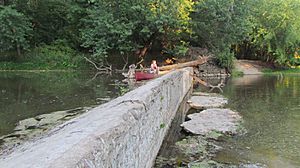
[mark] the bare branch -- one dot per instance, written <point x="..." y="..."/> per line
<point x="126" y="62"/>
<point x="142" y="60"/>
<point x="99" y="68"/>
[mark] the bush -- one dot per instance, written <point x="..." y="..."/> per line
<point x="225" y="58"/>
<point x="55" y="56"/>
<point x="15" y="30"/>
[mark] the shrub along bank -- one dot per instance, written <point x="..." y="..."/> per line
<point x="33" y="31"/>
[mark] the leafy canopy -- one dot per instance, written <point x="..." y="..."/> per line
<point x="15" y="29"/>
<point x="127" y="25"/>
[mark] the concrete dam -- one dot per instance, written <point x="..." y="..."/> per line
<point x="125" y="132"/>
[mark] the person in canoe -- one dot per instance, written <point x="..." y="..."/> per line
<point x="154" y="68"/>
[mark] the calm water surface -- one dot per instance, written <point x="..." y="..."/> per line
<point x="24" y="95"/>
<point x="270" y="106"/>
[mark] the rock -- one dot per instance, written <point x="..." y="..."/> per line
<point x="105" y="99"/>
<point x="209" y="164"/>
<point x="214" y="135"/>
<point x="193" y="146"/>
<point x="221" y="120"/>
<point x="27" y="123"/>
<point x="51" y="118"/>
<point x="205" y="102"/>
<point x="206" y="94"/>
<point x="32" y="127"/>
<point x="252" y="166"/>
<point x="214" y="164"/>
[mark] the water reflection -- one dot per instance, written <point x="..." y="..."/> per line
<point x="24" y="95"/>
<point x="270" y="106"/>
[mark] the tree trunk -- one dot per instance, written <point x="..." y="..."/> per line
<point x="186" y="64"/>
<point x="3" y="2"/>
<point x="18" y="50"/>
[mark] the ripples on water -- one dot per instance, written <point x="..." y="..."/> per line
<point x="24" y="95"/>
<point x="270" y="106"/>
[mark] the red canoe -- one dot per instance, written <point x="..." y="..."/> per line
<point x="143" y="76"/>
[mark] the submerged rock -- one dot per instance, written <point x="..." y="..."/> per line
<point x="51" y="118"/>
<point x="193" y="146"/>
<point x="30" y="128"/>
<point x="29" y="123"/>
<point x="206" y="94"/>
<point x="214" y="164"/>
<point x="207" y="101"/>
<point x="189" y="149"/>
<point x="209" y="164"/>
<point x="221" y="120"/>
<point x="104" y="99"/>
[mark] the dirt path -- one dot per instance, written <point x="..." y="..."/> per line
<point x="249" y="67"/>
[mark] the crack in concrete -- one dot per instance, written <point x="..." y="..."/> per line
<point x="135" y="101"/>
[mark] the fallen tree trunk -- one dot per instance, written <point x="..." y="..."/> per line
<point x="202" y="82"/>
<point x="186" y="64"/>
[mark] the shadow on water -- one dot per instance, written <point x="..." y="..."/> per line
<point x="24" y="95"/>
<point x="175" y="132"/>
<point x="270" y="107"/>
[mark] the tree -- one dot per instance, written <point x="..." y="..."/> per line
<point x="15" y="30"/>
<point x="220" y="24"/>
<point x="134" y="25"/>
<point x="275" y="35"/>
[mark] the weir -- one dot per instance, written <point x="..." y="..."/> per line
<point x="126" y="132"/>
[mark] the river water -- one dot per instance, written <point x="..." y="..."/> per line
<point x="28" y="94"/>
<point x="270" y="107"/>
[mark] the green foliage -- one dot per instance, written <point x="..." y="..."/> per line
<point x="162" y="125"/>
<point x="123" y="90"/>
<point x="263" y="29"/>
<point x="225" y="58"/>
<point x="236" y="73"/>
<point x="55" y="56"/>
<point x="104" y="33"/>
<point x="276" y="30"/>
<point x="128" y="25"/>
<point x="47" y="57"/>
<point x="219" y="24"/>
<point x="15" y="29"/>
<point x="295" y="70"/>
<point x="53" y="19"/>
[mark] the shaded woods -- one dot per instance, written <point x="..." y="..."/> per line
<point x="63" y="34"/>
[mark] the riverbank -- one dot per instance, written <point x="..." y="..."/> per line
<point x="283" y="71"/>
<point x="250" y="67"/>
<point x="36" y="66"/>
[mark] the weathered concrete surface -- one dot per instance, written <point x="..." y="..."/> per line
<point x="215" y="119"/>
<point x="207" y="101"/>
<point x="126" y="132"/>
<point x="30" y="128"/>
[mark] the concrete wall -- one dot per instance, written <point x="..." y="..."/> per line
<point x="126" y="132"/>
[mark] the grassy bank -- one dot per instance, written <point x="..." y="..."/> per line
<point x="30" y="66"/>
<point x="45" y="57"/>
<point x="282" y="71"/>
